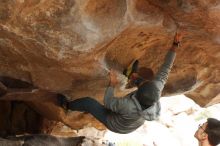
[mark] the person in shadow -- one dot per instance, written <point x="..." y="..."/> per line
<point x="208" y="133"/>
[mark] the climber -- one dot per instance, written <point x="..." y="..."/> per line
<point x="208" y="133"/>
<point x="124" y="115"/>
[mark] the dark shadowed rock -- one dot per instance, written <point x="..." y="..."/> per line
<point x="41" y="140"/>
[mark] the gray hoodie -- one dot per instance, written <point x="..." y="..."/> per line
<point x="127" y="114"/>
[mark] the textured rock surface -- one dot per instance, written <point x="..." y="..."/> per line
<point x="67" y="46"/>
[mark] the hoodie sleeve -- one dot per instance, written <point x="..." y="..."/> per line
<point x="162" y="75"/>
<point x="118" y="105"/>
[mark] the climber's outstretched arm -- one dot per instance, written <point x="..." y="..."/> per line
<point x="162" y="75"/>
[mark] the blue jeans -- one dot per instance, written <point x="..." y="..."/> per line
<point x="90" y="105"/>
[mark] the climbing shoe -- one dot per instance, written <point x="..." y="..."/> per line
<point x="132" y="68"/>
<point x="62" y="101"/>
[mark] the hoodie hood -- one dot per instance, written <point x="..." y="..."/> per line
<point x="151" y="113"/>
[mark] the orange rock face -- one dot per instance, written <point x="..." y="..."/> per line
<point x="67" y="46"/>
